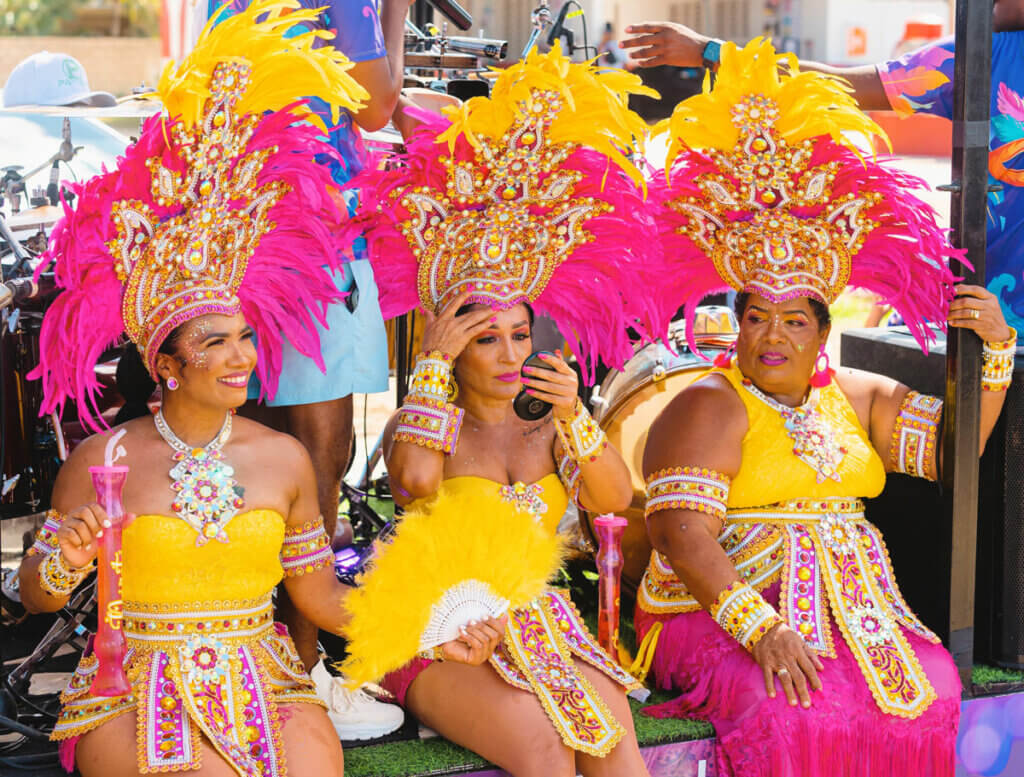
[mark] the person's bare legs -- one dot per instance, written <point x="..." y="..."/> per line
<point x="473" y="707"/>
<point x="625" y="759"/>
<point x="310" y="747"/>
<point x="325" y="428"/>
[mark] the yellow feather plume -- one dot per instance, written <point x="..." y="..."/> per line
<point x="284" y="69"/>
<point x="460" y="535"/>
<point x="810" y="104"/>
<point x="596" y="112"/>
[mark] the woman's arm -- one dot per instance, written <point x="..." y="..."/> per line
<point x="700" y="436"/>
<point x="415" y="462"/>
<point x="903" y="424"/>
<point x="79" y="523"/>
<point x="605" y="484"/>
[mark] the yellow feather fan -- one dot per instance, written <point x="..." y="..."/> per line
<point x="597" y="114"/>
<point x="810" y="104"/>
<point x="461" y="535"/>
<point x="284" y="69"/>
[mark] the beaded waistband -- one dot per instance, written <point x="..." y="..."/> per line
<point x="803" y="511"/>
<point x="144" y="622"/>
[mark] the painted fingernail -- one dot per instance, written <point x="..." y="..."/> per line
<point x="529" y="391"/>
<point x="806" y="704"/>
<point x="88" y="546"/>
<point x="107" y="524"/>
<point x="494" y="319"/>
<point x="529" y="370"/>
<point x="99" y="534"/>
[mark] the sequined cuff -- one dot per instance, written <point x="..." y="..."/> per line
<point x="305" y="549"/>
<point x="915" y="435"/>
<point x="581" y="437"/>
<point x="997" y="363"/>
<point x="431" y="376"/>
<point x="430" y="423"/>
<point x="46" y="537"/>
<point x="744" y="613"/>
<point x="57" y="577"/>
<point x="688" y="488"/>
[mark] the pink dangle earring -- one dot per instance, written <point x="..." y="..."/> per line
<point x="823" y="373"/>
<point x="172" y="383"/>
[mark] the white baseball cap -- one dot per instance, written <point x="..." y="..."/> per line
<point x="52" y="79"/>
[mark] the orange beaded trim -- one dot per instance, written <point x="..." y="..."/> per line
<point x="744" y="614"/>
<point x="688" y="488"/>
<point x="915" y="434"/>
<point x="997" y="363"/>
<point x="306" y="548"/>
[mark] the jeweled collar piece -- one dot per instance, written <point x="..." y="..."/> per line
<point x="814" y="440"/>
<point x="207" y="498"/>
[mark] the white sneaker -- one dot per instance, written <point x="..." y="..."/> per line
<point x="355" y="714"/>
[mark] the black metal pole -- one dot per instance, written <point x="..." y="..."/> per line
<point x="960" y="434"/>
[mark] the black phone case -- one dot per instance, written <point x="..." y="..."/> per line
<point x="530" y="408"/>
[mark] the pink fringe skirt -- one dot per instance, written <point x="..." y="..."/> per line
<point x="843" y="734"/>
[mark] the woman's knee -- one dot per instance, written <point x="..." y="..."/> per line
<point x="310" y="742"/>
<point x="542" y="756"/>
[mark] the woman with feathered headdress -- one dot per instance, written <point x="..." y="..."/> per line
<point x="214" y="227"/>
<point x="519" y="202"/>
<point x="769" y="599"/>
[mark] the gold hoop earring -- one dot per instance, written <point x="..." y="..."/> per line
<point x="453" y="389"/>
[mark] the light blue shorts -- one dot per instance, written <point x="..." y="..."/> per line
<point x="354" y="347"/>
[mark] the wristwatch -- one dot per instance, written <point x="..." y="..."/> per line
<point x="712" y="53"/>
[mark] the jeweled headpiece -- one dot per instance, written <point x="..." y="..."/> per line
<point x="523" y="196"/>
<point x="765" y="192"/>
<point x="217" y="209"/>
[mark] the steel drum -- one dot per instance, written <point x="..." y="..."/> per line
<point x="629" y="400"/>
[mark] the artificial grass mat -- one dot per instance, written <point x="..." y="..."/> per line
<point x="439" y="756"/>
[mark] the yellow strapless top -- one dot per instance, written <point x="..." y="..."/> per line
<point x="770" y="473"/>
<point x="163" y="564"/>
<point x="546" y="499"/>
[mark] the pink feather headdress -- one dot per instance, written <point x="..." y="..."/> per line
<point x="214" y="210"/>
<point x="764" y="192"/>
<point x="523" y="196"/>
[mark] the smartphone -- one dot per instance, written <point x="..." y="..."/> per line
<point x="530" y="408"/>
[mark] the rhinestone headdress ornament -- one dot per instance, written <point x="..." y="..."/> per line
<point x="217" y="209"/>
<point x="524" y="196"/>
<point x="766" y="193"/>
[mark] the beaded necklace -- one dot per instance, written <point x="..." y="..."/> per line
<point x="814" y="441"/>
<point x="206" y="489"/>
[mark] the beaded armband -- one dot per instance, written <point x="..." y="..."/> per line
<point x="59" y="579"/>
<point x="744" y="613"/>
<point x="305" y="549"/>
<point x="581" y="437"/>
<point x="997" y="363"/>
<point x="915" y="435"/>
<point x="688" y="488"/>
<point x="427" y="418"/>
<point x="46" y="537"/>
<point x="430" y="423"/>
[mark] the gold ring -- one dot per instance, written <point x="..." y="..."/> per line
<point x="975" y="313"/>
<point x="782" y="672"/>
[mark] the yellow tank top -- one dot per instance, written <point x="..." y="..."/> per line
<point x="163" y="564"/>
<point x="771" y="473"/>
<point x="546" y="499"/>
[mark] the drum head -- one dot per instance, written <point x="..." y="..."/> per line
<point x="630" y="402"/>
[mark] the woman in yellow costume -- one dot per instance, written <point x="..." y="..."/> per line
<point x="769" y="600"/>
<point x="214" y="228"/>
<point x="518" y="202"/>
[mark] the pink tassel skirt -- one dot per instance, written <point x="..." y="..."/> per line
<point x="843" y="734"/>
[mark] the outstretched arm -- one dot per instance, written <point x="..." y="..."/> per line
<point x="666" y="43"/>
